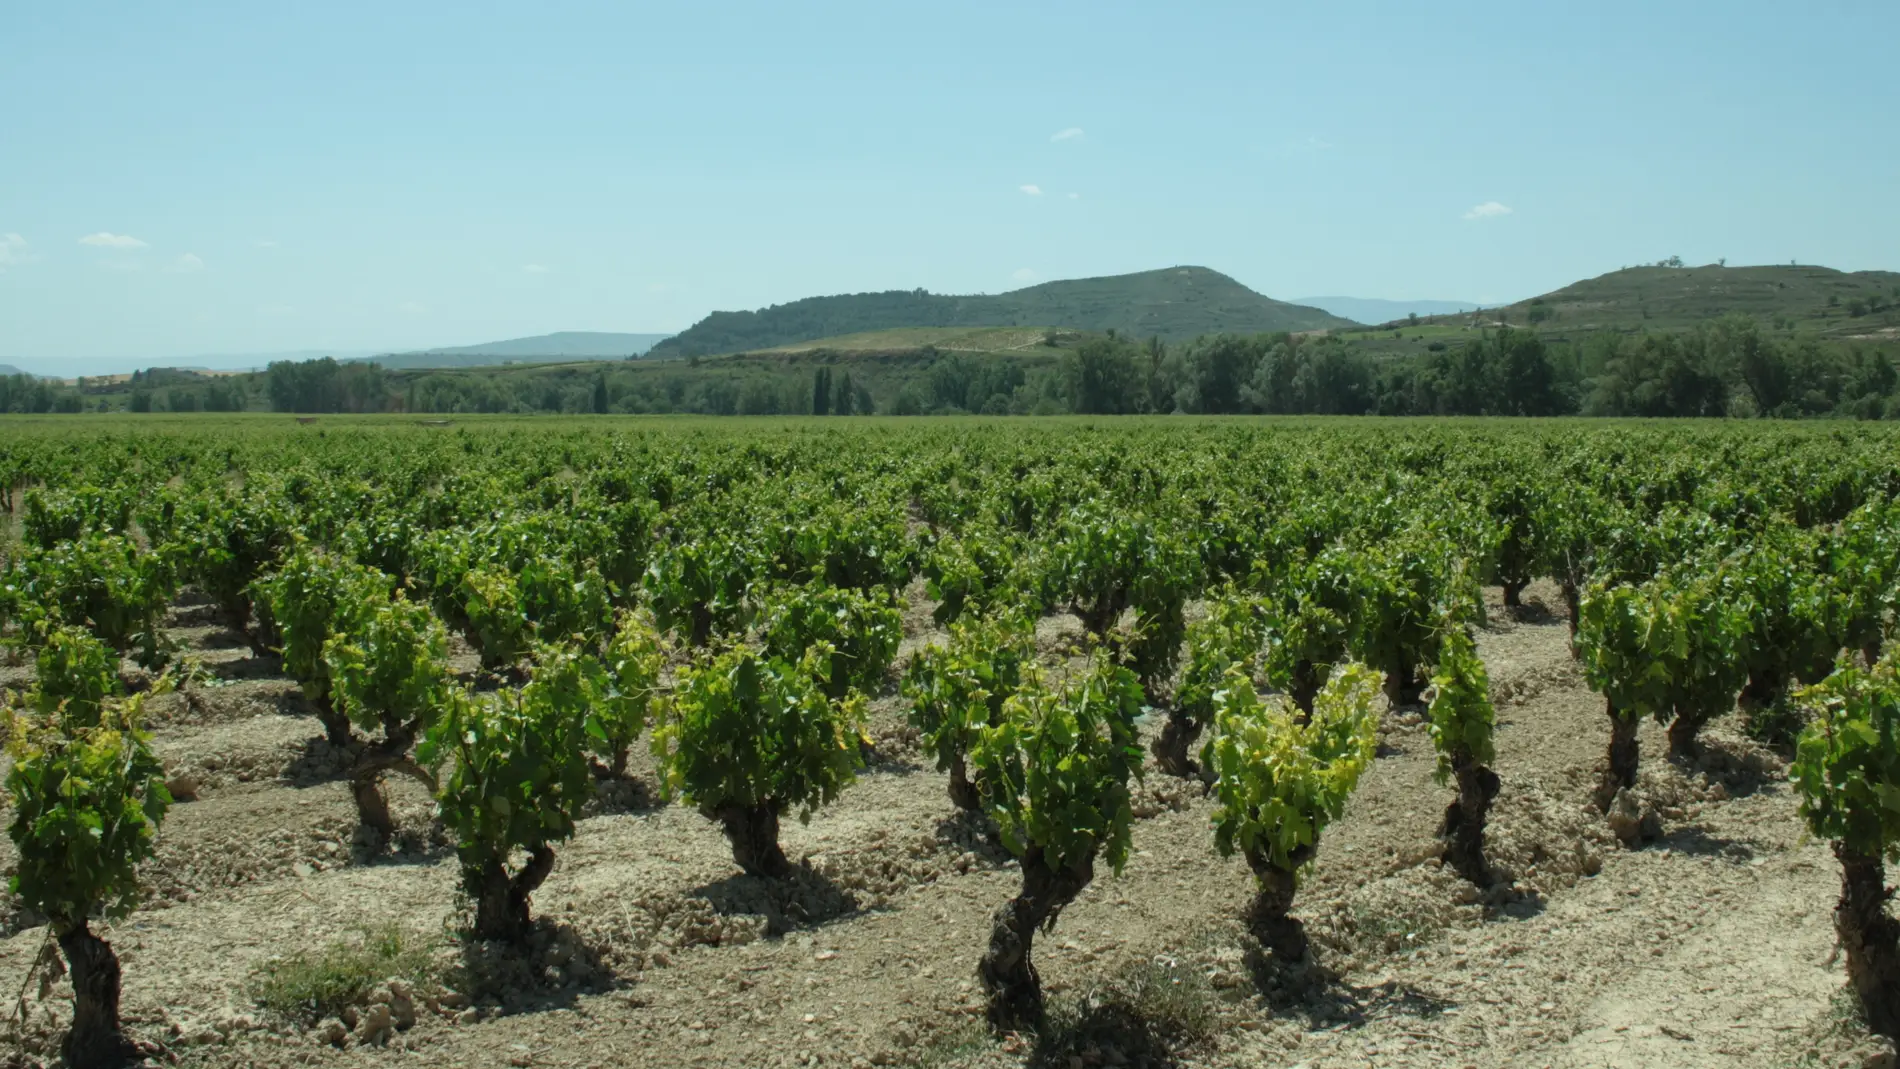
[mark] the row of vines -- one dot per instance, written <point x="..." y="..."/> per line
<point x="733" y="599"/>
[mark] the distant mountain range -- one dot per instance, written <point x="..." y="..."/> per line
<point x="541" y="349"/>
<point x="1174" y="303"/>
<point x="1372" y="310"/>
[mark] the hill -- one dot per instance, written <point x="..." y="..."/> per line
<point x="1175" y="303"/>
<point x="907" y="339"/>
<point x="1817" y="299"/>
<point x="1375" y="310"/>
<point x="558" y="347"/>
<point x="9" y="370"/>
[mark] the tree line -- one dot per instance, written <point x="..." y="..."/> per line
<point x="1726" y="368"/>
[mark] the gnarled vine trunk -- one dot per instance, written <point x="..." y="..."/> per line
<point x="1172" y="748"/>
<point x="366" y="780"/>
<point x="1099" y="617"/>
<point x="1620" y="768"/>
<point x="1514" y="592"/>
<point x="963" y="793"/>
<point x="501" y="901"/>
<point x="1463" y="828"/>
<point x="1763" y="687"/>
<point x="1402" y="684"/>
<point x="1573" y="608"/>
<point x="96" y="1040"/>
<point x="753" y="832"/>
<point x="336" y="726"/>
<point x="1267" y="917"/>
<point x="1304" y="687"/>
<point x="1685" y="732"/>
<point x="1870" y="937"/>
<point x="1007" y="972"/>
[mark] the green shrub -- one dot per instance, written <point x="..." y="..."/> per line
<point x="862" y="629"/>
<point x="88" y="796"/>
<point x="311" y="597"/>
<point x="1279" y="780"/>
<point x="1461" y="719"/>
<point x="513" y="774"/>
<point x="1233" y="632"/>
<point x="627" y="695"/>
<point x="1847" y="770"/>
<point x="310" y="985"/>
<point x="390" y="677"/>
<point x="957" y="689"/>
<point x="1054" y="773"/>
<point x="747" y="738"/>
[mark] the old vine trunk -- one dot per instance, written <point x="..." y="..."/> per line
<point x="1008" y="974"/>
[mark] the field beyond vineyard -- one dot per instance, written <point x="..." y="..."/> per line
<point x="1690" y="927"/>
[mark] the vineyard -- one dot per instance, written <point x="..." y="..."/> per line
<point x="1074" y="743"/>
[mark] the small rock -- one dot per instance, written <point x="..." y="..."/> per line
<point x="1627" y="819"/>
<point x="332" y="1033"/>
<point x="349" y="1017"/>
<point x="453" y="1000"/>
<point x="242" y="1022"/>
<point x="375" y="1027"/>
<point x="468" y="1016"/>
<point x="182" y="787"/>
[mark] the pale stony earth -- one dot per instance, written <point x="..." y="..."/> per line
<point x="1710" y="946"/>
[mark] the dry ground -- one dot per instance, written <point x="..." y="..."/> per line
<point x="1710" y="946"/>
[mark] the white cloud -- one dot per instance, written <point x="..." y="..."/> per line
<point x="1075" y="196"/>
<point x="106" y="240"/>
<point x="534" y="269"/>
<point x="1032" y="190"/>
<point x="1490" y="209"/>
<point x="1024" y="274"/>
<point x="13" y="250"/>
<point x="1073" y="133"/>
<point x="186" y="264"/>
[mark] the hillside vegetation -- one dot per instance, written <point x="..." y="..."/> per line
<point x="1175" y="303"/>
<point x="948" y="339"/>
<point x="1662" y="297"/>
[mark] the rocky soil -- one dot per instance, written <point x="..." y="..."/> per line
<point x="1704" y="941"/>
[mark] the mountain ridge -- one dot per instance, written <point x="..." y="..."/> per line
<point x="558" y="347"/>
<point x="1174" y="303"/>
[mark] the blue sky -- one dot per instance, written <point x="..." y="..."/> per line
<point x="206" y="177"/>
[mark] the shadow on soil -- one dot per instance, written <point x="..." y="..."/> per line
<point x="1691" y="840"/>
<point x="1149" y="1014"/>
<point x="621" y="795"/>
<point x="551" y="971"/>
<point x="972" y="832"/>
<point x="1316" y="995"/>
<point x="804" y="899"/>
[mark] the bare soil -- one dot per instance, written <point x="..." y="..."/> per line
<point x="1708" y="945"/>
